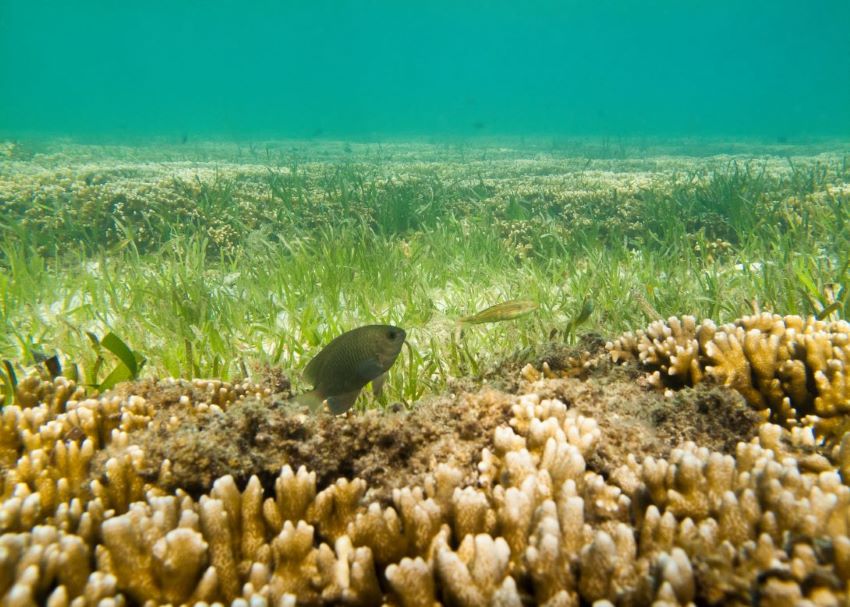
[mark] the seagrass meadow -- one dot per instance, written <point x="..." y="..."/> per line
<point x="666" y="425"/>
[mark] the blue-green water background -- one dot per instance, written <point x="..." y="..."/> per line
<point x="344" y="68"/>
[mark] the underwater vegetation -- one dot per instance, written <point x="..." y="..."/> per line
<point x="128" y="367"/>
<point x="578" y="449"/>
<point x="218" y="268"/>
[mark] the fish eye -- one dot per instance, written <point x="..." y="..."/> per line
<point x="392" y="334"/>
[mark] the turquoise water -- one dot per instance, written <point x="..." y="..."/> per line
<point x="323" y="68"/>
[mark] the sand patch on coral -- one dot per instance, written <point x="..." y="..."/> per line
<point x="257" y="434"/>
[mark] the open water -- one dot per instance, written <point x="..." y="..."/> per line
<point x="370" y="69"/>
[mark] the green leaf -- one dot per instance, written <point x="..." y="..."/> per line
<point x="8" y="387"/>
<point x="10" y="373"/>
<point x="807" y="282"/>
<point x="8" y="393"/>
<point x="114" y="344"/>
<point x="72" y="372"/>
<point x="119" y="373"/>
<point x="91" y="379"/>
<point x="140" y="363"/>
<point x="581" y="316"/>
<point x="833" y="307"/>
<point x="10" y="383"/>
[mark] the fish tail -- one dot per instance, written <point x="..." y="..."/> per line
<point x="312" y="399"/>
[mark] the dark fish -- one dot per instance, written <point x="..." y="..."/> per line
<point x="507" y="310"/>
<point x="348" y="363"/>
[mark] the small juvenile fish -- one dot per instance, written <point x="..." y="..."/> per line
<point x="507" y="310"/>
<point x="349" y="362"/>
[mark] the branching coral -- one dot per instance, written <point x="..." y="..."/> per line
<point x="533" y="519"/>
<point x="792" y="366"/>
<point x="477" y="574"/>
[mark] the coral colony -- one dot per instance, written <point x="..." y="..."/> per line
<point x="528" y="520"/>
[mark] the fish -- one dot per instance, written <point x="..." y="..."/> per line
<point x="507" y="310"/>
<point x="350" y="361"/>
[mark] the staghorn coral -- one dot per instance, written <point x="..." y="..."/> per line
<point x="531" y="519"/>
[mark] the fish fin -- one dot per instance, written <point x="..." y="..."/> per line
<point x="378" y="384"/>
<point x="369" y="369"/>
<point x="340" y="403"/>
<point x="312" y="399"/>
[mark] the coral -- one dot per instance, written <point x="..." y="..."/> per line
<point x="673" y="348"/>
<point x="791" y="366"/>
<point x="151" y="556"/>
<point x="477" y="574"/>
<point x="544" y="513"/>
<point x="250" y="434"/>
<point x="413" y="582"/>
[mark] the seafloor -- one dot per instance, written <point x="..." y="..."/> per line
<point x="685" y="462"/>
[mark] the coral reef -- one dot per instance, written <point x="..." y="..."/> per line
<point x="545" y="512"/>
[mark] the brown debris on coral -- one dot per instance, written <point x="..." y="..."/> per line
<point x="579" y="490"/>
<point x="644" y="422"/>
<point x="257" y="435"/>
